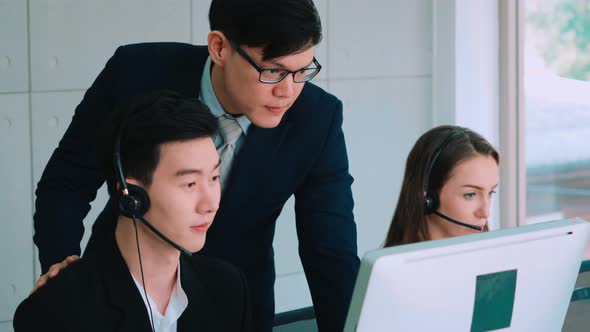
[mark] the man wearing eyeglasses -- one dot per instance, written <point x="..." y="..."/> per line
<point x="279" y="136"/>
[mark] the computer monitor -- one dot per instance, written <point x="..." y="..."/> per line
<point x="517" y="279"/>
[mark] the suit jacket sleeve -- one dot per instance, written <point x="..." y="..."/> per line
<point x="326" y="228"/>
<point x="42" y="312"/>
<point x="29" y="317"/>
<point x="72" y="176"/>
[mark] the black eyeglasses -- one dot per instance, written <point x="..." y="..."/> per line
<point x="275" y="75"/>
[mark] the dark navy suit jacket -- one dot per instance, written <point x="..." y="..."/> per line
<point x="304" y="155"/>
<point x="97" y="293"/>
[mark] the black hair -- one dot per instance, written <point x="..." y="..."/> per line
<point x="144" y="123"/>
<point x="280" y="27"/>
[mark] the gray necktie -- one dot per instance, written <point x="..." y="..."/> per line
<point x="230" y="131"/>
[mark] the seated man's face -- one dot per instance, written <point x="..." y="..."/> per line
<point x="185" y="191"/>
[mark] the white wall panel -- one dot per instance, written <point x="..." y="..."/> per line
<point x="291" y="289"/>
<point x="52" y="114"/>
<point x="200" y="21"/>
<point x="285" y="242"/>
<point x="16" y="278"/>
<point x="291" y="292"/>
<point x="321" y="83"/>
<point x="380" y="38"/>
<point x="14" y="74"/>
<point x="6" y="327"/>
<point x="71" y="40"/>
<point x="321" y="51"/>
<point x="382" y="120"/>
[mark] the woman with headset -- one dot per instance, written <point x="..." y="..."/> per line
<point x="451" y="175"/>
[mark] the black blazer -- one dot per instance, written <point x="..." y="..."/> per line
<point x="305" y="156"/>
<point x="97" y="293"/>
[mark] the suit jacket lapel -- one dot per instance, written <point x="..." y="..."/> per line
<point x="196" y="294"/>
<point x="128" y="309"/>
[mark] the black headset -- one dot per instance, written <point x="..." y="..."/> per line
<point x="134" y="201"/>
<point x="431" y="198"/>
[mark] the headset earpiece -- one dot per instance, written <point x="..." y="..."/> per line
<point x="136" y="203"/>
<point x="431" y="201"/>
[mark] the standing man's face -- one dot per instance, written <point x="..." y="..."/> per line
<point x="237" y="86"/>
<point x="185" y="192"/>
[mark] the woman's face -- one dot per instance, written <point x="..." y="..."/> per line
<point x="466" y="197"/>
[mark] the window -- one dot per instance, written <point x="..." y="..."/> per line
<point x="556" y="105"/>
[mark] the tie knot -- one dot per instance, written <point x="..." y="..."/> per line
<point x="230" y="129"/>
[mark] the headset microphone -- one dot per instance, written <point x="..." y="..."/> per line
<point x="163" y="237"/>
<point x="477" y="228"/>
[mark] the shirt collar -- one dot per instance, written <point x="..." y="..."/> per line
<point x="176" y="306"/>
<point x="208" y="97"/>
<point x="178" y="299"/>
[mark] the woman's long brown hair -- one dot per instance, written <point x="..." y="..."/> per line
<point x="408" y="224"/>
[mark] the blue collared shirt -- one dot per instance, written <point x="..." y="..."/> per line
<point x="208" y="97"/>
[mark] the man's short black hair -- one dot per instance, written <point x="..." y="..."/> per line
<point x="145" y="122"/>
<point x="280" y="27"/>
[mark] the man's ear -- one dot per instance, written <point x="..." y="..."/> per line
<point x="133" y="181"/>
<point x="219" y="47"/>
<point x="130" y="181"/>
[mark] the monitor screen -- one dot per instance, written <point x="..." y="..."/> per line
<point x="517" y="279"/>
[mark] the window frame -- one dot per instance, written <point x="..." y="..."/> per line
<point x="512" y="114"/>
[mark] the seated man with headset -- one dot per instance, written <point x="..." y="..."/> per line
<point x="161" y="165"/>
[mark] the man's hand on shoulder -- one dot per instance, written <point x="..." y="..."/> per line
<point x="54" y="270"/>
